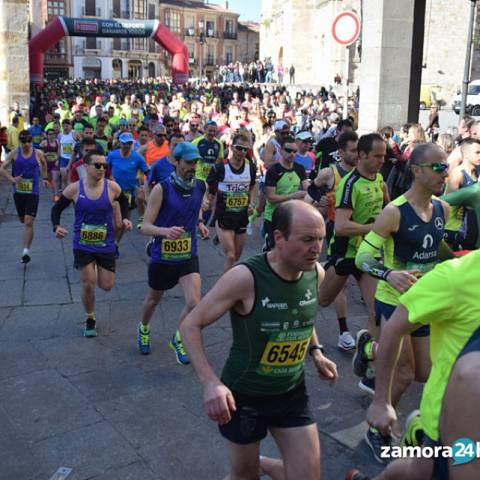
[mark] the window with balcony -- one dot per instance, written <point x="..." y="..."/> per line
<point x="139" y="43"/>
<point x="55" y="8"/>
<point x="90" y="8"/>
<point x="210" y="60"/>
<point x="191" y="53"/>
<point x="151" y="12"/>
<point x="116" y="9"/>
<point x="210" y="28"/>
<point x="230" y="30"/>
<point x="139" y="9"/>
<point x="91" y="43"/>
<point x="190" y="26"/>
<point x="172" y="20"/>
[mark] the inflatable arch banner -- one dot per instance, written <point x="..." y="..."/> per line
<point x="88" y="27"/>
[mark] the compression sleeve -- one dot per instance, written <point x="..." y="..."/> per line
<point x="57" y="209"/>
<point x="365" y="259"/>
<point x="467" y="196"/>
<point x="123" y="202"/>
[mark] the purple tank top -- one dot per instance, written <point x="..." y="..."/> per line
<point x="93" y="229"/>
<point x="180" y="209"/>
<point x="29" y="170"/>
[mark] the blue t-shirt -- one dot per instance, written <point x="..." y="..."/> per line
<point x="124" y="170"/>
<point x="305" y="160"/>
<point x="37" y="135"/>
<point x="160" y="171"/>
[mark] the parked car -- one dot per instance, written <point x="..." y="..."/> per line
<point x="473" y="99"/>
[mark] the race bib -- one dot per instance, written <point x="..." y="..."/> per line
<point x="51" y="156"/>
<point x="179" y="249"/>
<point x="67" y="148"/>
<point x="236" y="202"/>
<point x="24" y="186"/>
<point x="93" y="235"/>
<point x="37" y="139"/>
<point x="285" y="353"/>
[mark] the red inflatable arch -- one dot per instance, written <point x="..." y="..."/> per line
<point x="87" y="27"/>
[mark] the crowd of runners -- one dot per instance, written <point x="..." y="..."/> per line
<point x="396" y="212"/>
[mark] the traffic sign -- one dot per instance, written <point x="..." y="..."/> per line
<point x="346" y="28"/>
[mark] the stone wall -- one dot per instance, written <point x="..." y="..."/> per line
<point x="14" y="73"/>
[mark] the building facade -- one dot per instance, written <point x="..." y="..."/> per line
<point x="58" y="59"/>
<point x="209" y="31"/>
<point x="248" y="41"/>
<point x="298" y="32"/>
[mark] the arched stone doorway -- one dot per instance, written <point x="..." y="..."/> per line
<point x="151" y="70"/>
<point x="135" y="69"/>
<point x="117" y="68"/>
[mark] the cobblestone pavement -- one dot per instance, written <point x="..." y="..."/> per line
<point x="100" y="408"/>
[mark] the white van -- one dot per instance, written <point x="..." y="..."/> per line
<point x="473" y="99"/>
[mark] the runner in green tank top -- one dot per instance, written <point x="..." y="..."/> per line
<point x="272" y="300"/>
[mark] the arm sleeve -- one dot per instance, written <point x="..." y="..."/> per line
<point x="57" y="209"/>
<point x="466" y="196"/>
<point x="123" y="202"/>
<point x="365" y="260"/>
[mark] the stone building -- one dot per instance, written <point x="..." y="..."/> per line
<point x="248" y="41"/>
<point x="299" y="32"/>
<point x="210" y="32"/>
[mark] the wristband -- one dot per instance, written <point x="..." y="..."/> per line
<point x="200" y="220"/>
<point x="312" y="348"/>
<point x="386" y="274"/>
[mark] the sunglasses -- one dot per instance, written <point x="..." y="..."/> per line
<point x="290" y="150"/>
<point x="26" y="140"/>
<point x="100" y="165"/>
<point x="437" y="167"/>
<point x="240" y="148"/>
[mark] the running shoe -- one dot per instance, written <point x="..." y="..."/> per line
<point x="346" y="341"/>
<point x="26" y="258"/>
<point x="367" y="384"/>
<point x="360" y="359"/>
<point x="376" y="441"/>
<point x="356" y="475"/>
<point x="90" y="328"/>
<point x="414" y="433"/>
<point x="139" y="224"/>
<point x="250" y="229"/>
<point x="148" y="247"/>
<point x="176" y="345"/>
<point x="143" y="337"/>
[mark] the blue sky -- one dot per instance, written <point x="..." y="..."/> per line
<point x="248" y="9"/>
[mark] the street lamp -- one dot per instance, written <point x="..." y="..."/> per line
<point x="468" y="57"/>
<point x="202" y="42"/>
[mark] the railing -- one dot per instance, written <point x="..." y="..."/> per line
<point x="210" y="33"/>
<point x="230" y="35"/>
<point x="56" y="58"/>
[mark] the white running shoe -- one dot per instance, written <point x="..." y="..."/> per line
<point x="250" y="229"/>
<point x="346" y="341"/>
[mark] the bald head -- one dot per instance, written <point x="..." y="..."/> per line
<point x="288" y="216"/>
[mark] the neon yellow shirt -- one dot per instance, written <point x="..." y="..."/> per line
<point x="447" y="299"/>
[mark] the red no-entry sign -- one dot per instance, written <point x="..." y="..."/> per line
<point x="346" y="28"/>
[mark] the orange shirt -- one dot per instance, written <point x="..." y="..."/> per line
<point x="154" y="153"/>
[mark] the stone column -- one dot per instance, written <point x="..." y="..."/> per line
<point x="385" y="68"/>
<point x="14" y="73"/>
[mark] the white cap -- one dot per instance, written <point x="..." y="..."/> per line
<point x="303" y="136"/>
<point x="280" y="124"/>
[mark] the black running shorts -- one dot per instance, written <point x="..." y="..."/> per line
<point x="82" y="258"/>
<point x="26" y="204"/>
<point x="164" y="276"/>
<point x="255" y="415"/>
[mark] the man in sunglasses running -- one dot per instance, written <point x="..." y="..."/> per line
<point x="93" y="231"/>
<point x="232" y="182"/>
<point x="410" y="233"/>
<point x="28" y="163"/>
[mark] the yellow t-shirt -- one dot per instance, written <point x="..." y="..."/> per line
<point x="447" y="299"/>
